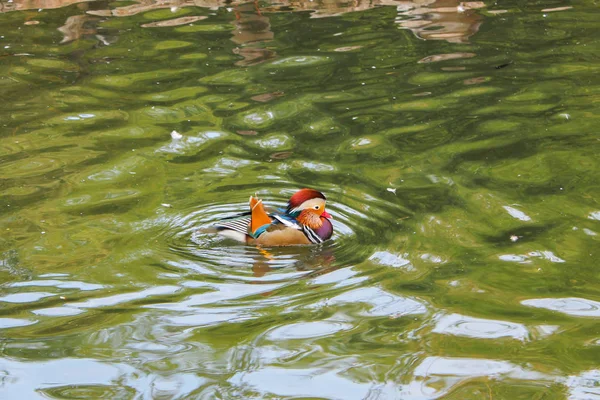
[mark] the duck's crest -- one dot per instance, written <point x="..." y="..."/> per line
<point x="301" y="196"/>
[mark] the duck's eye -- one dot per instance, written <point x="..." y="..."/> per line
<point x="316" y="207"/>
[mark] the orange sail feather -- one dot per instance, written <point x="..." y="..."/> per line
<point x="259" y="217"/>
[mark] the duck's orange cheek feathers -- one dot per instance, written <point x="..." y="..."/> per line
<point x="310" y="218"/>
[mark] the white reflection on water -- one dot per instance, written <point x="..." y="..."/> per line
<point x="595" y="215"/>
<point x="176" y="386"/>
<point x="339" y="276"/>
<point x="433" y="378"/>
<point x="518" y="214"/>
<point x="186" y="145"/>
<point x="27" y="377"/>
<point x="465" y="367"/>
<point x="525" y="259"/>
<point x="14" y="322"/>
<point x="306" y="330"/>
<point x="461" y="325"/>
<point x="392" y="260"/>
<point x="225" y="166"/>
<point x="436" y="376"/>
<point x="58" y="311"/>
<point x="203" y="316"/>
<point x="28" y="297"/>
<point x="570" y="305"/>
<point x="514" y="258"/>
<point x="126" y="297"/>
<point x="546" y="255"/>
<point x="382" y="303"/>
<point x="310" y="382"/>
<point x="217" y="293"/>
<point x="541" y="331"/>
<point x="47" y="379"/>
<point x="59" y="284"/>
<point x="585" y="386"/>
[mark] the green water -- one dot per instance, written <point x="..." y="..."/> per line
<point x="458" y="150"/>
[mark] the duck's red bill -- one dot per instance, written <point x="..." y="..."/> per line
<point x="326" y="215"/>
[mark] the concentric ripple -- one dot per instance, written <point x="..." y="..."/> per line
<point x="188" y="235"/>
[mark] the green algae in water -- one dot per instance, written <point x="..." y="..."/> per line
<point x="204" y="28"/>
<point x="175" y="94"/>
<point x="138" y="77"/>
<point x="52" y="64"/>
<point x="464" y="196"/>
<point x="171" y="44"/>
<point x="232" y="77"/>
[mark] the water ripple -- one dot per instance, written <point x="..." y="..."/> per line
<point x="291" y="382"/>
<point x="461" y="325"/>
<point x="185" y="235"/>
<point x="381" y="303"/>
<point x="574" y="306"/>
<point x="305" y="330"/>
<point x="14" y="322"/>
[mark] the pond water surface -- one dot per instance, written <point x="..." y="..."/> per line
<point x="457" y="143"/>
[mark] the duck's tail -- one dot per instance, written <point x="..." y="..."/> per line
<point x="259" y="219"/>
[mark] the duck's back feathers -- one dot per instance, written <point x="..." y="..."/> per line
<point x="234" y="228"/>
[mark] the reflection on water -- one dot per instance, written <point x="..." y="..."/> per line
<point x="455" y="142"/>
<point x="461" y="325"/>
<point x="450" y="20"/>
<point x="453" y="21"/>
<point x="571" y="306"/>
<point x="252" y="31"/>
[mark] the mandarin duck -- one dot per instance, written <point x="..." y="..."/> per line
<point x="304" y="221"/>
